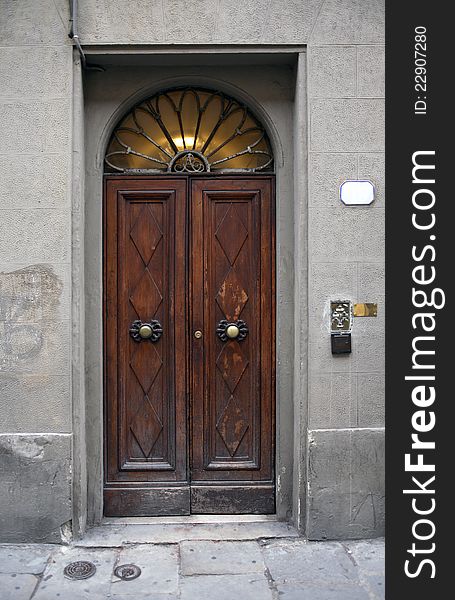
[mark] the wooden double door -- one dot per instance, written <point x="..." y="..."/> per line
<point x="189" y="297"/>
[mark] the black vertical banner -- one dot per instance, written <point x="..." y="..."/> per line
<point x="420" y="336"/>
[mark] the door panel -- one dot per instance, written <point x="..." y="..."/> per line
<point x="146" y="433"/>
<point x="232" y="393"/>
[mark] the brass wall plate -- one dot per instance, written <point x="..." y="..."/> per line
<point x="366" y="309"/>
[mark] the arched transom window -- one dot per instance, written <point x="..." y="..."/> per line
<point x="189" y="130"/>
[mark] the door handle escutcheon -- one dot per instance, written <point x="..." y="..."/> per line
<point x="232" y="330"/>
<point x="146" y="331"/>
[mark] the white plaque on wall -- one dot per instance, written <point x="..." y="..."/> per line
<point x="357" y="192"/>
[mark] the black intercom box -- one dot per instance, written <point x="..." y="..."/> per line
<point x="341" y="343"/>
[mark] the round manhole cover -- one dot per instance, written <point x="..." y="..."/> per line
<point x="127" y="572"/>
<point x="81" y="569"/>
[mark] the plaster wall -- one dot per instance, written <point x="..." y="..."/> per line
<point x="36" y="75"/>
<point x="346" y="261"/>
<point x="338" y="401"/>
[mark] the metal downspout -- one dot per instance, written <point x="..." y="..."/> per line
<point x="74" y="36"/>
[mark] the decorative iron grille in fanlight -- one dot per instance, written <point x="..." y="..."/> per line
<point x="189" y="131"/>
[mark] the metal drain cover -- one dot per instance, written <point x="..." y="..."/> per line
<point x="127" y="572"/>
<point x="81" y="569"/>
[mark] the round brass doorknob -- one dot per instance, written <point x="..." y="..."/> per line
<point x="198" y="334"/>
<point x="145" y="331"/>
<point x="232" y="331"/>
<point x="235" y="330"/>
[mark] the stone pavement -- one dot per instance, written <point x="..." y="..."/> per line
<point x="197" y="562"/>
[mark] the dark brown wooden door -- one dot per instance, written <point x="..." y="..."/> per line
<point x="232" y="390"/>
<point x="146" y="462"/>
<point x="189" y="415"/>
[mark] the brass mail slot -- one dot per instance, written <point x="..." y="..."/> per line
<point x="366" y="309"/>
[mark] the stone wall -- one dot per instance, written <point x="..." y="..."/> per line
<point x="38" y="287"/>
<point x="346" y="261"/>
<point x="35" y="274"/>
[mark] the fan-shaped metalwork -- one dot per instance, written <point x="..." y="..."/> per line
<point x="189" y="130"/>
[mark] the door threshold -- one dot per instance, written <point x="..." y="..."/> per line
<point x="120" y="531"/>
<point x="189" y="519"/>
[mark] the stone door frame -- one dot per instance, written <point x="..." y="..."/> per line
<point x="288" y="135"/>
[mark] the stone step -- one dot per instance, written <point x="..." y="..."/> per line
<point x="112" y="532"/>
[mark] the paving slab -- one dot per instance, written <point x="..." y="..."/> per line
<point x="369" y="555"/>
<point x="55" y="586"/>
<point x="301" y="591"/>
<point x="25" y="558"/>
<point x="325" y="563"/>
<point x="210" y="558"/>
<point x="148" y="596"/>
<point x="284" y="569"/>
<point x="169" y="533"/>
<point x="225" y="587"/>
<point x="375" y="584"/>
<point x="159" y="566"/>
<point x="17" y="586"/>
<point x="109" y="536"/>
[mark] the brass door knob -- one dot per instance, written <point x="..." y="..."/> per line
<point x="198" y="334"/>
<point x="146" y="331"/>
<point x="236" y="330"/>
<point x="232" y="331"/>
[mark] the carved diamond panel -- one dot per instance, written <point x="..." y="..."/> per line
<point x="146" y="427"/>
<point x="232" y="297"/>
<point x="146" y="297"/>
<point x="146" y="365"/>
<point x="146" y="234"/>
<point x="232" y="422"/>
<point x="231" y="234"/>
<point x="232" y="364"/>
<point x="232" y="425"/>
